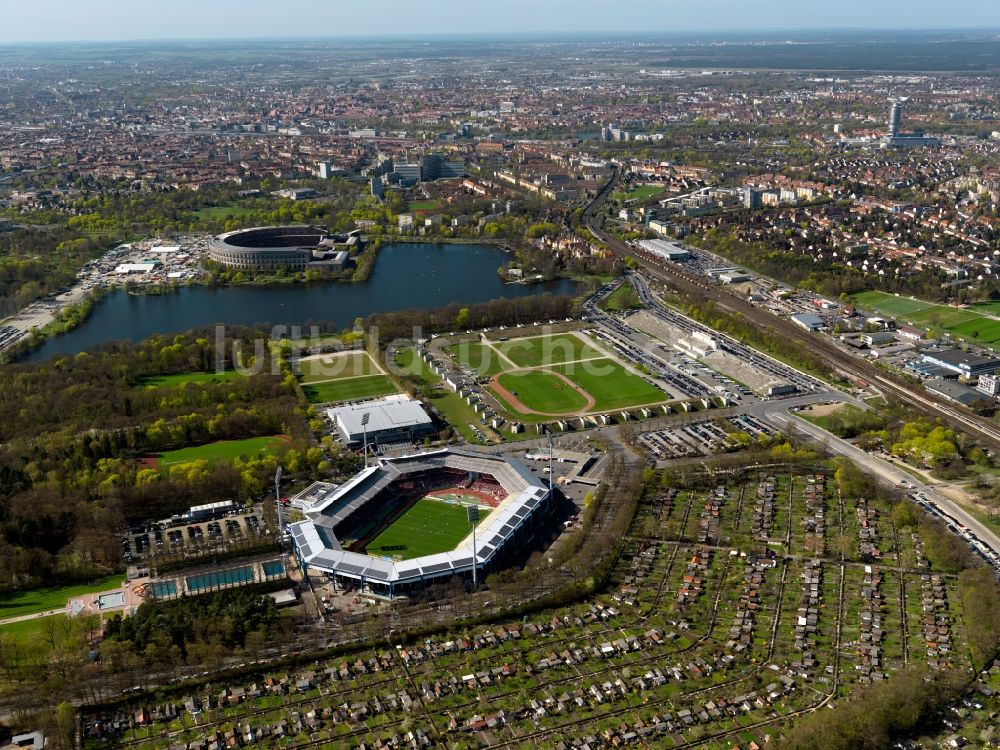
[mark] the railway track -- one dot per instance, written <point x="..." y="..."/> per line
<point x="841" y="361"/>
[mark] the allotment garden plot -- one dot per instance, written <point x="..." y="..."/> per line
<point x="343" y="376"/>
<point x="740" y="602"/>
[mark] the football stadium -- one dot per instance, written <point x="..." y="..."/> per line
<point x="404" y="523"/>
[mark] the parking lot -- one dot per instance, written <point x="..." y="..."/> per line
<point x="700" y="438"/>
<point x="196" y="537"/>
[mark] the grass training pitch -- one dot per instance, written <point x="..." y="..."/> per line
<point x="969" y="323"/>
<point x="890" y="304"/>
<point x="547" y="369"/>
<point x="543" y="392"/>
<point x="547" y="350"/>
<point x="429" y="527"/>
<point x="221" y="450"/>
<point x="336" y="367"/>
<point x="478" y="357"/>
<point x="611" y="385"/>
<point x="644" y="192"/>
<point x="349" y="389"/>
<point x="183" y="378"/>
<point x="42" y="600"/>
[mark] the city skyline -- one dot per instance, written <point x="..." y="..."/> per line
<point x="113" y="20"/>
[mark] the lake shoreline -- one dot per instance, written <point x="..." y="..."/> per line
<point x="418" y="275"/>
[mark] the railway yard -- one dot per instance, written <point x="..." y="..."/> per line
<point x="738" y="603"/>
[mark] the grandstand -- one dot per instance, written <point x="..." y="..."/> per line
<point x="341" y="526"/>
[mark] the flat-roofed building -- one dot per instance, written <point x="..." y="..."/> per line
<point x="989" y="384"/>
<point x="808" y="321"/>
<point x="965" y="364"/>
<point x="390" y="419"/>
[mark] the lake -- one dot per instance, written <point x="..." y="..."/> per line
<point x="406" y="275"/>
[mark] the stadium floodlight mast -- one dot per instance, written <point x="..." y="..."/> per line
<point x="552" y="451"/>
<point x="473" y="513"/>
<point x="277" y="500"/>
<point x="364" y="425"/>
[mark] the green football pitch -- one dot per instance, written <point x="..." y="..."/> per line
<point x="969" y="323"/>
<point x="890" y="304"/>
<point x="221" y="450"/>
<point x="543" y="392"/>
<point x="336" y="367"/>
<point x="478" y="357"/>
<point x="547" y="350"/>
<point x="429" y="527"/>
<point x="611" y="385"/>
<point x="349" y="389"/>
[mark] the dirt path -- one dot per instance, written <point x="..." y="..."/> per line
<point x="496" y="350"/>
<point x="33" y="616"/>
<point x="519" y="406"/>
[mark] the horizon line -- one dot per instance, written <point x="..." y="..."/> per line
<point x="547" y="34"/>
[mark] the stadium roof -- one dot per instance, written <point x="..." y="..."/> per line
<point x="318" y="546"/>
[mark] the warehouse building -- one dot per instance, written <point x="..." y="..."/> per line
<point x="965" y="364"/>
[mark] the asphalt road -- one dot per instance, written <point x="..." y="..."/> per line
<point x="891" y="475"/>
<point x="985" y="430"/>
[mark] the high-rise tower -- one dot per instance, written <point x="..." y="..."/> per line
<point x="895" y="116"/>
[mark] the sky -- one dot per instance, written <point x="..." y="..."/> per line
<point x="104" y="20"/>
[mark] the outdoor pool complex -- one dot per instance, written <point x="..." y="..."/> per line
<point x="164" y="589"/>
<point x="217" y="579"/>
<point x="115" y="599"/>
<point x="273" y="568"/>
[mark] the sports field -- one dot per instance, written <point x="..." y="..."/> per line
<point x="336" y="366"/>
<point x="563" y="375"/>
<point x="547" y="350"/>
<point x="349" y="389"/>
<point x="644" y="192"/>
<point x="987" y="308"/>
<point x="221" y="450"/>
<point x="889" y="304"/>
<point x="985" y="330"/>
<point x="611" y="385"/>
<point x="426" y="205"/>
<point x="42" y="600"/>
<point x="478" y="357"/>
<point x="543" y="392"/>
<point x="182" y="378"/>
<point x="429" y="527"/>
<point x="969" y="323"/>
<point x="344" y="376"/>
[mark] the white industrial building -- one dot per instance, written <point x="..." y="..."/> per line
<point x="664" y="249"/>
<point x="390" y="419"/>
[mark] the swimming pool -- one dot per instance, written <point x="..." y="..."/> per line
<point x="273" y="568"/>
<point x="233" y="576"/>
<point x="114" y="599"/>
<point x="164" y="589"/>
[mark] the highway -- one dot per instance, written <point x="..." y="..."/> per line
<point x="845" y="363"/>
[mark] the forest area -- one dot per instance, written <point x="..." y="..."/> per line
<point x="75" y="431"/>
